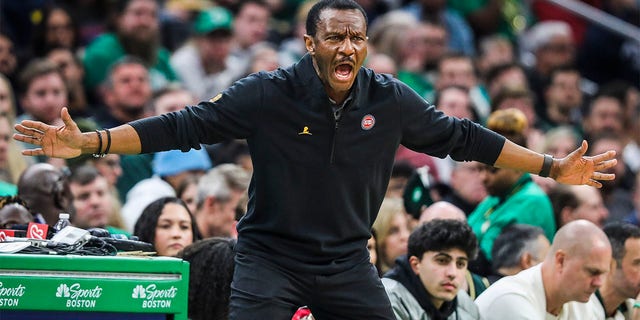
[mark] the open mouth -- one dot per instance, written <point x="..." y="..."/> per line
<point x="343" y="71"/>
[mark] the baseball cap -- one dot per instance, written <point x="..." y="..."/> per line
<point x="173" y="162"/>
<point x="216" y="18"/>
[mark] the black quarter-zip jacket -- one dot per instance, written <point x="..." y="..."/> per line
<point x="317" y="183"/>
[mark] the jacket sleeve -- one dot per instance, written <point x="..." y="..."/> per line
<point x="229" y="115"/>
<point x="430" y="131"/>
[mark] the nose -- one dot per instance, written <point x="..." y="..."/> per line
<point x="347" y="47"/>
<point x="597" y="281"/>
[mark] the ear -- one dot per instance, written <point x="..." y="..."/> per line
<point x="566" y="215"/>
<point x="560" y="259"/>
<point x="526" y="261"/>
<point x="308" y="43"/>
<point x="415" y="263"/>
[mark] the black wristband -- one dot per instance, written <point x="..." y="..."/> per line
<point x="546" y="166"/>
<point x="106" y="151"/>
<point x="99" y="153"/>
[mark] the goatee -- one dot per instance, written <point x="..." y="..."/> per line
<point x="145" y="48"/>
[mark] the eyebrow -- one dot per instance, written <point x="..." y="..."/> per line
<point x="440" y="254"/>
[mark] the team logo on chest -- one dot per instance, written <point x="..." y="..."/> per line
<point x="367" y="122"/>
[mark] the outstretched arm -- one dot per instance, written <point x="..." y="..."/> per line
<point x="67" y="141"/>
<point x="575" y="168"/>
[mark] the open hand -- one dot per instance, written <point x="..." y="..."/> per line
<point x="576" y="168"/>
<point x="55" y="141"/>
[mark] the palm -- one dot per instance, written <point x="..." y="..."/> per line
<point x="55" y="141"/>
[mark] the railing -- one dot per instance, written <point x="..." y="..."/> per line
<point x="601" y="18"/>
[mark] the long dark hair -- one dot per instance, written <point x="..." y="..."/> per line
<point x="211" y="270"/>
<point x="145" y="228"/>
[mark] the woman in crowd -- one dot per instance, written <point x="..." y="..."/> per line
<point x="210" y="272"/>
<point x="392" y="233"/>
<point x="168" y="224"/>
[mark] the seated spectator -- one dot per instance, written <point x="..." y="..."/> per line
<point x="45" y="190"/>
<point x="392" y="231"/>
<point x="513" y="196"/>
<point x="425" y="284"/>
<point x="136" y="34"/>
<point x="170" y="168"/>
<point x="219" y="193"/>
<point x="168" y="225"/>
<point x="474" y="284"/>
<point x="572" y="270"/>
<point x="56" y="29"/>
<point x="13" y="211"/>
<point x="211" y="265"/>
<point x="616" y="297"/>
<point x="93" y="202"/>
<point x="578" y="202"/>
<point x="518" y="247"/>
<point x="12" y="163"/>
<point x="203" y="63"/>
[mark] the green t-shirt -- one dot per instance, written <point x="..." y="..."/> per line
<point x="8" y="189"/>
<point x="525" y="204"/>
<point x="106" y="49"/>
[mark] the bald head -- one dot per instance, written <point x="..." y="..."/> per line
<point x="576" y="264"/>
<point x="442" y="210"/>
<point x="45" y="190"/>
<point x="580" y="237"/>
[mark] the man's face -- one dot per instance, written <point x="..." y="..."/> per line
<point x="590" y="205"/>
<point x="455" y="103"/>
<point x="172" y="101"/>
<point x="140" y="20"/>
<point x="456" y="71"/>
<point x="442" y="273"/>
<point x="606" y="115"/>
<point x="564" y="92"/>
<point x="497" y="181"/>
<point x="8" y="60"/>
<point x="339" y="49"/>
<point x="131" y="88"/>
<point x="223" y="220"/>
<point x="466" y="181"/>
<point x="626" y="277"/>
<point x="582" y="274"/>
<point x="71" y="70"/>
<point x="251" y="24"/>
<point x="45" y="97"/>
<point x="214" y="48"/>
<point x="93" y="203"/>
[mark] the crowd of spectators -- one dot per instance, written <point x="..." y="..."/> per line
<point x="544" y="77"/>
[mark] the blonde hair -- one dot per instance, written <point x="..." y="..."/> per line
<point x="388" y="210"/>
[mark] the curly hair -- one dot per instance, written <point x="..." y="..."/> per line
<point x="145" y="228"/>
<point x="211" y="270"/>
<point x="443" y="234"/>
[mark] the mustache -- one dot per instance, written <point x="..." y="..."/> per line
<point x="349" y="60"/>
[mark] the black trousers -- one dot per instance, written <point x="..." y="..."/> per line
<point x="264" y="290"/>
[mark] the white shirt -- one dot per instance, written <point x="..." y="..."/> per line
<point x="521" y="296"/>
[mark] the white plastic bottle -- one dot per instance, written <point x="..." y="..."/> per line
<point x="63" y="221"/>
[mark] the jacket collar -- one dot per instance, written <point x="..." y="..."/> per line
<point x="305" y="71"/>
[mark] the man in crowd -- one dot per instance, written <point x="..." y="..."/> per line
<point x="615" y="298"/>
<point x="426" y="283"/>
<point x="518" y="247"/>
<point x="572" y="270"/>
<point x="45" y="190"/>
<point x="322" y="135"/>
<point x="92" y="200"/>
